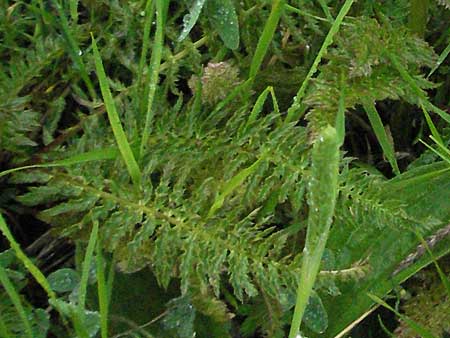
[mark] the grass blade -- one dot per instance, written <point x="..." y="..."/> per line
<point x="86" y="266"/>
<point x="95" y="155"/>
<point x="380" y="132"/>
<point x="155" y="63"/>
<point x="442" y="152"/>
<point x="412" y="324"/>
<point x="33" y="269"/>
<point x="323" y="189"/>
<point x="326" y="10"/>
<point x="431" y="125"/>
<point x="445" y="280"/>
<point x="417" y="90"/>
<point x="257" y="108"/>
<point x="15" y="299"/>
<point x="295" y="108"/>
<point x="74" y="50"/>
<point x="114" y="120"/>
<point x="231" y="185"/>
<point x="440" y="60"/>
<point x="102" y="290"/>
<point x="149" y="12"/>
<point x="266" y="36"/>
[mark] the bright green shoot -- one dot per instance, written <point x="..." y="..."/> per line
<point x="323" y="189"/>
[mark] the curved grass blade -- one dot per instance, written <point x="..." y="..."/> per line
<point x="417" y="90"/>
<point x="15" y="299"/>
<point x="114" y="120"/>
<point x="295" y="108"/>
<point x="440" y="60"/>
<point x="191" y="18"/>
<point x="33" y="269"/>
<point x="423" y="332"/>
<point x="94" y="155"/>
<point x="323" y="189"/>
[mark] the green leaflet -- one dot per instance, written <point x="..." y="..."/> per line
<point x="316" y="317"/>
<point x="223" y="18"/>
<point x="190" y="19"/>
<point x="323" y="189"/>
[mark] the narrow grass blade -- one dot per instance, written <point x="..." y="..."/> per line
<point x="149" y="12"/>
<point x="231" y="185"/>
<point x="326" y="10"/>
<point x="259" y="104"/>
<point x="86" y="266"/>
<point x="74" y="49"/>
<point x="442" y="152"/>
<point x="305" y="13"/>
<point x="440" y="60"/>
<point x="380" y="132"/>
<point x="323" y="189"/>
<point x="102" y="290"/>
<point x="444" y="279"/>
<point x="415" y="87"/>
<point x="257" y="108"/>
<point x="114" y="120"/>
<point x="295" y="108"/>
<point x="412" y="324"/>
<point x="15" y="299"/>
<point x="266" y="36"/>
<point x="155" y="63"/>
<point x="33" y="269"/>
<point x="95" y="155"/>
<point x="431" y="125"/>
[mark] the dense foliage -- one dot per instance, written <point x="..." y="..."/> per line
<point x="204" y="160"/>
